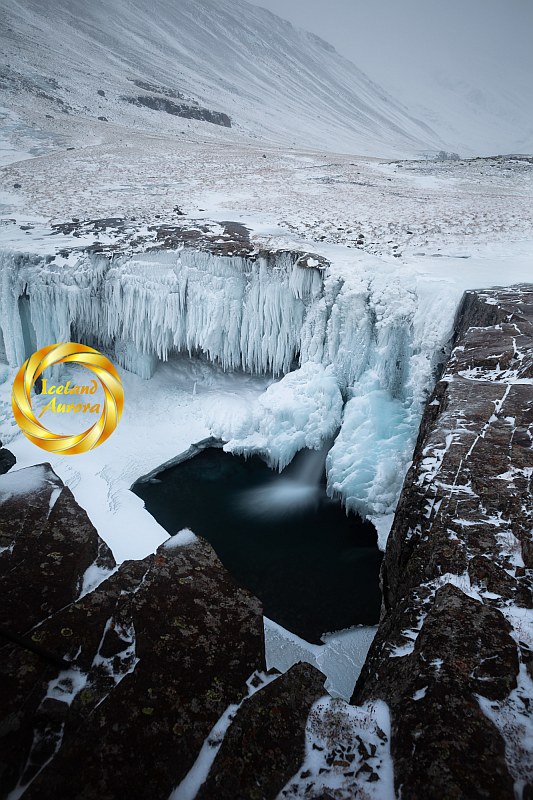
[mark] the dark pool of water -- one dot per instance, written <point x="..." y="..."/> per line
<point x="314" y="568"/>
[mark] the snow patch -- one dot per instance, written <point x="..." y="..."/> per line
<point x="340" y="658"/>
<point x="339" y="740"/>
<point x="93" y="576"/>
<point x="513" y="719"/>
<point x="183" y="538"/>
<point x="22" y="482"/>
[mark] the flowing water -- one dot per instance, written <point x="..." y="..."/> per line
<point x="289" y="495"/>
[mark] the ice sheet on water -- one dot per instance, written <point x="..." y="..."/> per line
<point x="340" y="658"/>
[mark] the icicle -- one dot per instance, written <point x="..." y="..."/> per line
<point x="363" y="334"/>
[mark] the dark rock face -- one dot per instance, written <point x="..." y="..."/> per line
<point x="443" y="745"/>
<point x="151" y="658"/>
<point x="48" y="544"/>
<point x="265" y="743"/>
<point x="158" y="89"/>
<point x="457" y="570"/>
<point x="173" y="641"/>
<point x="7" y="460"/>
<point x="180" y="109"/>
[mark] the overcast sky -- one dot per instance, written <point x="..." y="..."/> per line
<point x="464" y="66"/>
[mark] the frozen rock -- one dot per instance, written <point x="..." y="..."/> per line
<point x="7" y="460"/>
<point x="453" y="653"/>
<point x="265" y="743"/>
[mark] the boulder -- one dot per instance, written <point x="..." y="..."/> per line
<point x="151" y="658"/>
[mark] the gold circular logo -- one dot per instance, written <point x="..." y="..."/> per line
<point x="79" y="397"/>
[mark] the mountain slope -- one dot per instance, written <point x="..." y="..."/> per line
<point x="274" y="82"/>
<point x="464" y="68"/>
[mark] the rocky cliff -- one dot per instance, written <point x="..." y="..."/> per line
<point x="121" y="684"/>
<point x="452" y="656"/>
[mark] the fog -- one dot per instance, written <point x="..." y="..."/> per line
<point x="464" y="66"/>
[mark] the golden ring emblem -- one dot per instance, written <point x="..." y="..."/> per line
<point x="68" y="353"/>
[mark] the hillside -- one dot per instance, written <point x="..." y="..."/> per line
<point x="226" y="68"/>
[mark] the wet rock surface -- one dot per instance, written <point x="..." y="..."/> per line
<point x="452" y="656"/>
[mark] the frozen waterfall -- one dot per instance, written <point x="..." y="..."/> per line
<point x="239" y="312"/>
<point x="355" y="348"/>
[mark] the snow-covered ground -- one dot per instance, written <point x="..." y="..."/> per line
<point x="389" y="208"/>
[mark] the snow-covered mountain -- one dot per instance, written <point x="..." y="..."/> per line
<point x="154" y="66"/>
<point x="464" y="68"/>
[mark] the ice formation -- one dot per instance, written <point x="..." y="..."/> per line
<point x="354" y="349"/>
<point x="340" y="658"/>
<point x="239" y="312"/>
<point x="301" y="410"/>
<point x="376" y="435"/>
